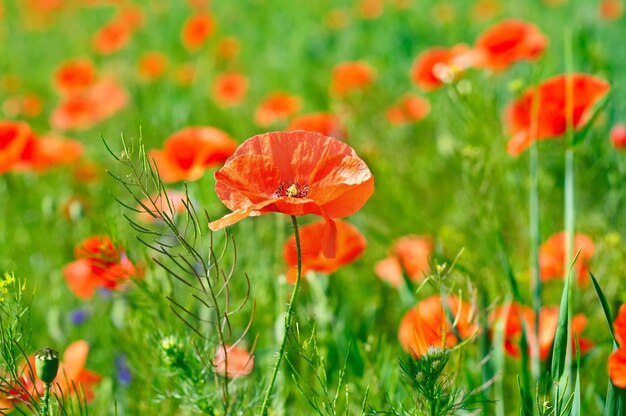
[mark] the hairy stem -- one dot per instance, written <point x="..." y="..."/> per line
<point x="288" y="319"/>
<point x="45" y="405"/>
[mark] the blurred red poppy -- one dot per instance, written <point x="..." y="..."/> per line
<point x="189" y="152"/>
<point x="486" y="9"/>
<point x="130" y="16"/>
<point x="508" y="42"/>
<point x="49" y="151"/>
<point x="611" y="9"/>
<point x="100" y="264"/>
<point x="112" y="37"/>
<point x="552" y="256"/>
<point x="350" y="245"/>
<point x="231" y="361"/>
<point x="371" y="9"/>
<point x="618" y="136"/>
<point x="410" y="108"/>
<point x="324" y="123"/>
<point x="74" y="76"/>
<point x="173" y="204"/>
<point x="152" y="65"/>
<point x="196" y="30"/>
<point x="276" y="107"/>
<point x="438" y="66"/>
<point x="552" y="120"/>
<point x="351" y="76"/>
<point x="185" y="74"/>
<point x="229" y="89"/>
<point x="294" y="173"/>
<point x="427" y="325"/>
<point x="617" y="360"/>
<point x="14" y="137"/>
<point x="410" y="253"/>
<point x="71" y="376"/>
<point x="228" y="47"/>
<point x="95" y="104"/>
<point x="514" y="315"/>
<point x="26" y="105"/>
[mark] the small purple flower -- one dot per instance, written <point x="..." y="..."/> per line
<point x="105" y="292"/>
<point x="79" y="316"/>
<point x="123" y="371"/>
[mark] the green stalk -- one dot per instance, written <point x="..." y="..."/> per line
<point x="534" y="245"/>
<point x="569" y="209"/>
<point x="288" y="319"/>
<point x="45" y="406"/>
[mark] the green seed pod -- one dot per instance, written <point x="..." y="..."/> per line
<point x="47" y="364"/>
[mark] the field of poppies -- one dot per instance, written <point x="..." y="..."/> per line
<point x="330" y="207"/>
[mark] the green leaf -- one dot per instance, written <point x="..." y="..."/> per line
<point x="581" y="134"/>
<point x="604" y="302"/>
<point x="576" y="405"/>
<point x="508" y="270"/>
<point x="560" y="338"/>
<point x="615" y="401"/>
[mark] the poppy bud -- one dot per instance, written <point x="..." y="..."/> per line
<point x="47" y="364"/>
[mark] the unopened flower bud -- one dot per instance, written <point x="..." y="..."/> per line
<point x="47" y="364"/>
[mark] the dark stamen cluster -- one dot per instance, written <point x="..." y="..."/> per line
<point x="293" y="191"/>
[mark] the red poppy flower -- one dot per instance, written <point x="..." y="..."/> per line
<point x="323" y="123"/>
<point x="486" y="9"/>
<point x="26" y="105"/>
<point x="228" y="47"/>
<point x="548" y="321"/>
<point x="196" y="30"/>
<point x="95" y="104"/>
<point x="427" y="325"/>
<point x="232" y="361"/>
<point x="152" y="65"/>
<point x="130" y="16"/>
<point x="617" y="360"/>
<point x="87" y="172"/>
<point x="294" y="173"/>
<point x="552" y="256"/>
<point x="276" y="107"/>
<point x="112" y="37"/>
<point x="371" y="9"/>
<point x="350" y="245"/>
<point x="14" y="136"/>
<point x="229" y="89"/>
<point x="49" y="151"/>
<point x="189" y="152"/>
<point x="337" y="19"/>
<point x="100" y="264"/>
<point x="74" y="76"/>
<point x="551" y="121"/>
<point x="351" y="76"/>
<point x="175" y="203"/>
<point x="71" y="376"/>
<point x="611" y="9"/>
<point x="619" y="325"/>
<point x="409" y="109"/>
<point x="412" y="253"/>
<point x="185" y="74"/>
<point x="438" y="65"/>
<point x="618" y="136"/>
<point x="508" y="42"/>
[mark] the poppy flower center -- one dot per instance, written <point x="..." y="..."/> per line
<point x="295" y="190"/>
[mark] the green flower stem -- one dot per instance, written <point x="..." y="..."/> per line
<point x="45" y="406"/>
<point x="569" y="208"/>
<point x="535" y="364"/>
<point x="288" y="319"/>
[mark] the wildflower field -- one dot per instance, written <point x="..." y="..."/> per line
<point x="326" y="207"/>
